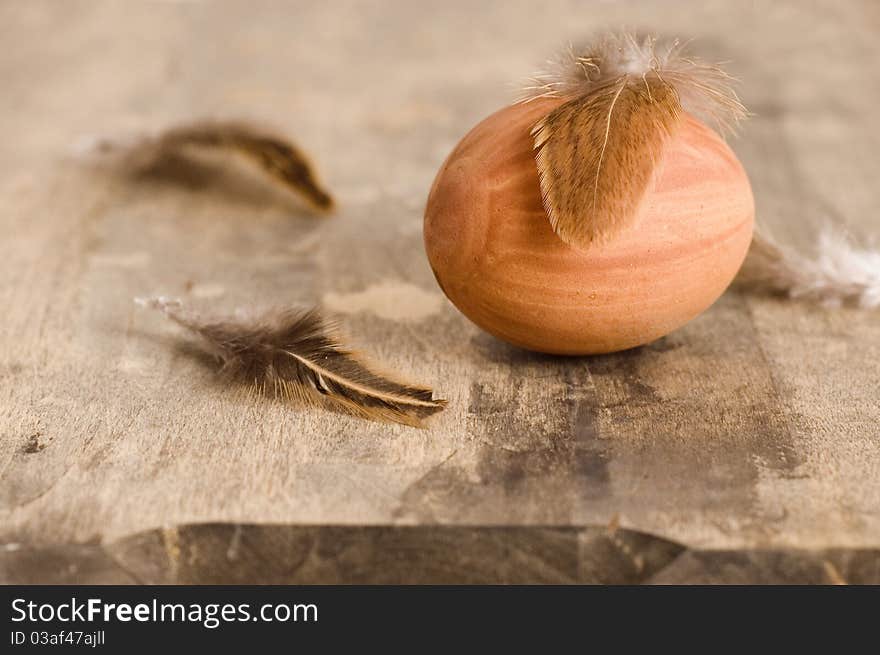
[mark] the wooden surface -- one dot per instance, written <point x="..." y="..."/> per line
<point x="754" y="429"/>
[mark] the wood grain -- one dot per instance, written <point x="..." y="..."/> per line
<point x="497" y="257"/>
<point x="753" y="428"/>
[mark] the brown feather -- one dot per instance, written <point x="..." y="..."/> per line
<point x="275" y="155"/>
<point x="596" y="155"/>
<point x="297" y="355"/>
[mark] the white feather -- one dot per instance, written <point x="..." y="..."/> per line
<point x="841" y="272"/>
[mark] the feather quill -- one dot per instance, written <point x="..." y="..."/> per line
<point x="841" y="273"/>
<point x="297" y="355"/>
<point x="597" y="153"/>
<point x="276" y="156"/>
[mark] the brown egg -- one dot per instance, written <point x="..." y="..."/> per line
<point x="496" y="257"/>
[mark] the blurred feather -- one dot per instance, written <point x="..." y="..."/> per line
<point x="277" y="157"/>
<point x="840" y="273"/>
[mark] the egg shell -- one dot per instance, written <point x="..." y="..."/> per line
<point x="496" y="257"/>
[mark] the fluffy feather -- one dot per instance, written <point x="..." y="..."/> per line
<point x="280" y="159"/>
<point x="704" y="89"/>
<point x="596" y="153"/>
<point x="841" y="272"/>
<point x="297" y="355"/>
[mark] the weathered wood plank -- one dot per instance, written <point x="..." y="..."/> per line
<point x="277" y="554"/>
